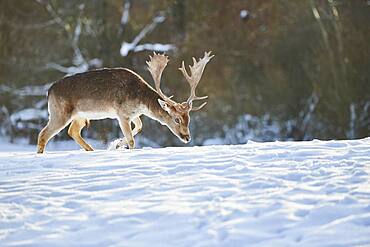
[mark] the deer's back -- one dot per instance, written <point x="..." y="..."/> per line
<point x="100" y="84"/>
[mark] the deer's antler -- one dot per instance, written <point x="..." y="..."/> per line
<point x="196" y="72"/>
<point x="156" y="65"/>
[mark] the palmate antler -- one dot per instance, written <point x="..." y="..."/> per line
<point x="156" y="65"/>
<point x="196" y="72"/>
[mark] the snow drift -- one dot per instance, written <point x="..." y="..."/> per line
<point x="260" y="194"/>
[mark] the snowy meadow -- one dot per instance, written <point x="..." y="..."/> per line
<point x="313" y="193"/>
<point x="285" y="76"/>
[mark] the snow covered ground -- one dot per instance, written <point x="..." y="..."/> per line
<point x="259" y="194"/>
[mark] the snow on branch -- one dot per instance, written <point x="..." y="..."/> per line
<point x="78" y="59"/>
<point x="68" y="70"/>
<point x="134" y="45"/>
<point x="27" y="90"/>
<point x="155" y="47"/>
<point x="125" y="15"/>
<point x="80" y="64"/>
<point x="28" y="114"/>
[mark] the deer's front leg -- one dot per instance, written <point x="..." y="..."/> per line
<point x="125" y="125"/>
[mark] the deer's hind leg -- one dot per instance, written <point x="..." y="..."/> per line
<point x="56" y="123"/>
<point x="74" y="131"/>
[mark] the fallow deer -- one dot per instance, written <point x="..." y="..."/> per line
<point x="119" y="93"/>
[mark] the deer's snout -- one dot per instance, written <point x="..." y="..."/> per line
<point x="185" y="138"/>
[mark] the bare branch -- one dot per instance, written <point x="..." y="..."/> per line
<point x="125" y="15"/>
<point x="127" y="47"/>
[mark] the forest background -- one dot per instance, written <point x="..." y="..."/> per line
<point x="283" y="69"/>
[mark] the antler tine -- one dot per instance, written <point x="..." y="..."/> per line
<point x="156" y="65"/>
<point x="196" y="71"/>
<point x="198" y="107"/>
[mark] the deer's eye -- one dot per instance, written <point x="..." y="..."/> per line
<point x="177" y="120"/>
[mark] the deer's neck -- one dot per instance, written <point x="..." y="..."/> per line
<point x="154" y="110"/>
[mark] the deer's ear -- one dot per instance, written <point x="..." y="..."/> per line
<point x="165" y="106"/>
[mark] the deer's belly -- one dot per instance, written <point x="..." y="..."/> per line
<point x="97" y="115"/>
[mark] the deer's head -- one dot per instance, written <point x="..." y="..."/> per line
<point x="178" y="117"/>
